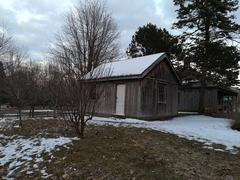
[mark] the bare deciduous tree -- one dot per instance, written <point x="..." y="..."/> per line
<point x="89" y="39"/>
<point x="6" y="46"/>
<point x="53" y="86"/>
<point x="5" y="43"/>
<point x="37" y="82"/>
<point x="17" y="81"/>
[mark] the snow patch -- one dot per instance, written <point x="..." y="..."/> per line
<point x="188" y="113"/>
<point x="205" y="129"/>
<point x="6" y="123"/>
<point x="38" y="110"/>
<point x="20" y="152"/>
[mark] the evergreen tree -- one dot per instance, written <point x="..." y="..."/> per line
<point x="154" y="40"/>
<point x="210" y="26"/>
<point x="135" y="49"/>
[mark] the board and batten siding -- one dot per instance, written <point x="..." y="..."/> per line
<point x="132" y="103"/>
<point x="150" y="107"/>
<point x="211" y="100"/>
<point x="189" y="99"/>
<point x="107" y="103"/>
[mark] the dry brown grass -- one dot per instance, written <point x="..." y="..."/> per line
<point x="235" y="116"/>
<point x="129" y="153"/>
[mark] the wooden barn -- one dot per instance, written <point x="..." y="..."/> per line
<point x="217" y="99"/>
<point x="144" y="88"/>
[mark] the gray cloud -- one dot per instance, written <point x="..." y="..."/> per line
<point x="33" y="23"/>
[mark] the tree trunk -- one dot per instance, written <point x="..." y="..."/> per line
<point x="30" y="113"/>
<point x="32" y="110"/>
<point x="201" y="108"/>
<point x="78" y="131"/>
<point x="205" y="62"/>
<point x="20" y="116"/>
<point x="55" y="111"/>
<point x="82" y="127"/>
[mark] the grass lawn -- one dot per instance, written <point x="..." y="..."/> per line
<point x="124" y="153"/>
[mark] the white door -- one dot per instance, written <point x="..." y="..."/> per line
<point x="120" y="101"/>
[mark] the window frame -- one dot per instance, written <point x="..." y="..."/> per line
<point x="163" y="93"/>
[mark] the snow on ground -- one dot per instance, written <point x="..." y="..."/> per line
<point x="23" y="155"/>
<point x="187" y="113"/>
<point x="38" y="110"/>
<point x="6" y="123"/>
<point x="201" y="128"/>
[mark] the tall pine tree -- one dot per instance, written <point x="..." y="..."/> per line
<point x="210" y="27"/>
<point x="154" y="40"/>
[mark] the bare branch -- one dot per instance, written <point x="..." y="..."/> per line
<point x="89" y="39"/>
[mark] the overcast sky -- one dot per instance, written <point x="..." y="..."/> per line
<point x="34" y="23"/>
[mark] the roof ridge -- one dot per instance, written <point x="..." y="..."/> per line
<point x="135" y="58"/>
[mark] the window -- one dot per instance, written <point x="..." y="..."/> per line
<point x="161" y="94"/>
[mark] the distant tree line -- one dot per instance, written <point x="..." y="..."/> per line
<point x="23" y="82"/>
<point x="88" y="39"/>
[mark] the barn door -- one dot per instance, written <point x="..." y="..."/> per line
<point x="120" y="101"/>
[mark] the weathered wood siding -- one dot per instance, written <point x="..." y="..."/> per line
<point x="211" y="100"/>
<point x="107" y="103"/>
<point x="132" y="100"/>
<point x="152" y="109"/>
<point x="189" y="99"/>
<point x="237" y="104"/>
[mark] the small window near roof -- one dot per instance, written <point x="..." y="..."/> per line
<point x="161" y="93"/>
